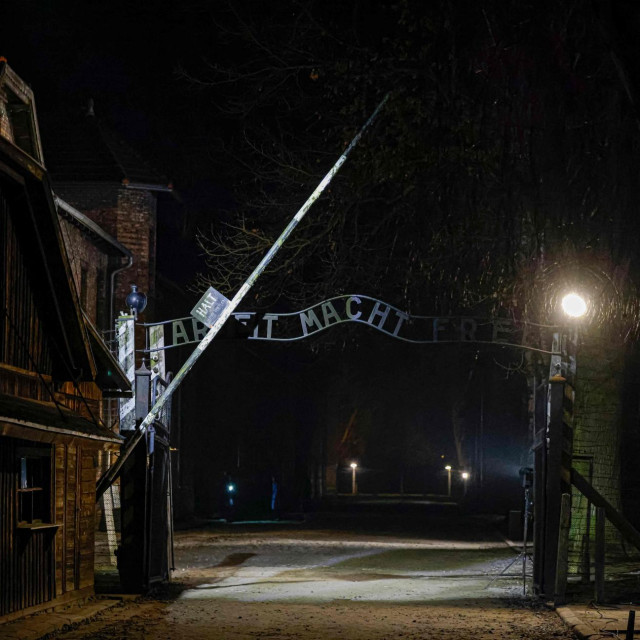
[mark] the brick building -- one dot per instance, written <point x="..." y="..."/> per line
<point x="95" y="258"/>
<point x="99" y="175"/>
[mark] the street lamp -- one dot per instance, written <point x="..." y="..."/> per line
<point x="574" y="305"/>
<point x="354" y="488"/>
<point x="465" y="479"/>
<point x="136" y="301"/>
<point x="448" y="468"/>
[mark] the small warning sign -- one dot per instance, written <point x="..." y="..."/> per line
<point x="210" y="307"/>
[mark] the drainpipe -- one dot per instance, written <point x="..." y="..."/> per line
<point x="114" y="273"/>
<point x="112" y="291"/>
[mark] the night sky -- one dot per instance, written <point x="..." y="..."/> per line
<point x="125" y="57"/>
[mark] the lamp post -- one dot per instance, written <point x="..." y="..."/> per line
<point x="465" y="480"/>
<point x="136" y="301"/>
<point x="448" y="468"/>
<point x="354" y="488"/>
<point x="549" y="516"/>
<point x="575" y="307"/>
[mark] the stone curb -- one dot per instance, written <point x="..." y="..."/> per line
<point x="577" y="625"/>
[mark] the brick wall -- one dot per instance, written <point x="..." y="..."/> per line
<point x="89" y="268"/>
<point x="597" y="437"/>
<point x="97" y="201"/>
<point x="129" y="215"/>
<point x="136" y="230"/>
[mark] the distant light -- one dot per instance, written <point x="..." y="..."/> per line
<point x="231" y="488"/>
<point x="353" y="465"/>
<point x="465" y="475"/>
<point x="448" y="467"/>
<point x="574" y="305"/>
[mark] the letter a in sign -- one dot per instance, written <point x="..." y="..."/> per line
<point x="210" y="307"/>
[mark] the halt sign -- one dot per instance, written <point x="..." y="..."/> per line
<point x="210" y="307"/>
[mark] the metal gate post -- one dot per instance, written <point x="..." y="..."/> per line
<point x="553" y="486"/>
<point x="135" y="488"/>
<point x="540" y="399"/>
<point x="553" y="448"/>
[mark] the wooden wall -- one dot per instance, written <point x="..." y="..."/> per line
<point x="26" y="556"/>
<point x="23" y="343"/>
<point x="41" y="565"/>
<point x="8" y="483"/>
<point x="83" y="398"/>
<point x="75" y="505"/>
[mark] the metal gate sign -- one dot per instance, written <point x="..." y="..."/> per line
<point x="378" y="315"/>
<point x="210" y="307"/>
<point x="125" y="330"/>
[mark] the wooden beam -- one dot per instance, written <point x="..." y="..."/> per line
<point x="600" y="555"/>
<point x="614" y="516"/>
<point x="562" y="564"/>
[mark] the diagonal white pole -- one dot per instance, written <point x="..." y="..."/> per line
<point x="110" y="475"/>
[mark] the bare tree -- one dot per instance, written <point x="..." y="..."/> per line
<point x="503" y="172"/>
<point x="501" y="169"/>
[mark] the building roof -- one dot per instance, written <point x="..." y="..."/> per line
<point x="83" y="355"/>
<point x="84" y="149"/>
<point x="109" y="375"/>
<point x="107" y="243"/>
<point x="53" y="290"/>
<point x="49" y="422"/>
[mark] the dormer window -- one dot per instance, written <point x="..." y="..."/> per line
<point x="18" y="122"/>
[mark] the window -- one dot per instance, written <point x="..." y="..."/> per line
<point x="34" y="485"/>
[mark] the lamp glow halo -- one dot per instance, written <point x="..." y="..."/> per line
<point x="574" y="305"/>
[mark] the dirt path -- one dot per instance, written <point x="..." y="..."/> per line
<point x="347" y="620"/>
<point x="320" y="583"/>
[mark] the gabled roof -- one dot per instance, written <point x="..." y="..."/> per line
<point x="38" y="229"/>
<point x="83" y="149"/>
<point x="84" y="355"/>
<point x="81" y="354"/>
<point x="107" y="243"/>
<point x="109" y="377"/>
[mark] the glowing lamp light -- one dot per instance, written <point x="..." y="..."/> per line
<point x="231" y="488"/>
<point x="354" y="486"/>
<point x="574" y="305"/>
<point x="448" y="470"/>
<point x="465" y="475"/>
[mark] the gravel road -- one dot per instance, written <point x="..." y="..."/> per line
<point x="374" y="574"/>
